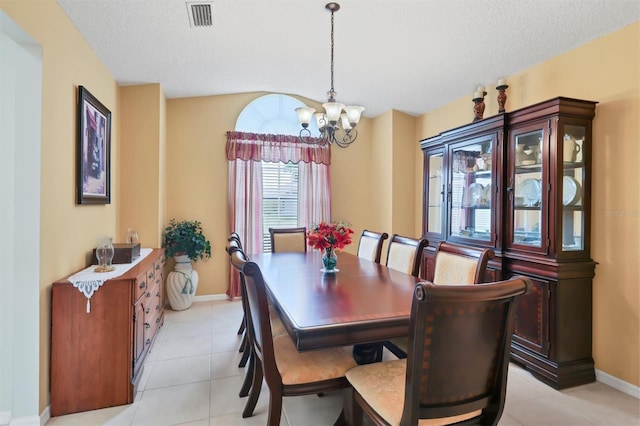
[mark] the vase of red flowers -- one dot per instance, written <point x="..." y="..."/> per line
<point x="330" y="237"/>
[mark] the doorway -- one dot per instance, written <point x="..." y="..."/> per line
<point x="20" y="142"/>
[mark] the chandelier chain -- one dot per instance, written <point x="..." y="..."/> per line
<point x="332" y="93"/>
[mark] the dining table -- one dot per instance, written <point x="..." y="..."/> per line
<point x="363" y="304"/>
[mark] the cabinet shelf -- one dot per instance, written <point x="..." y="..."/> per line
<point x="528" y="169"/>
<point x="572" y="166"/>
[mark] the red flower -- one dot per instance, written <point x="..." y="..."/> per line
<point x="327" y="236"/>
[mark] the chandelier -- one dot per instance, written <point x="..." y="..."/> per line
<point x="336" y="116"/>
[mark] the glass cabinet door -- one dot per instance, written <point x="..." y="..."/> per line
<point x="435" y="192"/>
<point x="527" y="189"/>
<point x="571" y="187"/>
<point x="470" y="191"/>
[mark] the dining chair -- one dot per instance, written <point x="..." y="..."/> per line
<point x="288" y="239"/>
<point x="370" y="245"/>
<point x="459" y="351"/>
<point x="286" y="371"/>
<point x="246" y="346"/>
<point x="454" y="264"/>
<point x="457" y="264"/>
<point x="405" y="254"/>
<point x="235" y="237"/>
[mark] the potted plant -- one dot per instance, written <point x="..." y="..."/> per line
<point x="186" y="243"/>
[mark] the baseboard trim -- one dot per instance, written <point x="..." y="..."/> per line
<point x="618" y="384"/>
<point x="211" y="297"/>
<point x="45" y="415"/>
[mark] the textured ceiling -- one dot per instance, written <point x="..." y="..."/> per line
<point x="408" y="55"/>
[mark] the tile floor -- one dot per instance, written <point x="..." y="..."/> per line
<point x="191" y="378"/>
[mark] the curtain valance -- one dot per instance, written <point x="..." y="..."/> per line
<point x="275" y="148"/>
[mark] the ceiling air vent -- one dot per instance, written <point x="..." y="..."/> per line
<point x="200" y="14"/>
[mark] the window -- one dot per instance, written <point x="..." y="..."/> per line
<point x="279" y="198"/>
<point x="284" y="184"/>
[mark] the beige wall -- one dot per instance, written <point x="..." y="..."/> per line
<point x="606" y="70"/>
<point x="140" y="163"/>
<point x="405" y="149"/>
<point x="68" y="231"/>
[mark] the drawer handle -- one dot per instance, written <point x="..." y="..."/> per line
<point x="158" y="294"/>
<point x="147" y="325"/>
<point x="148" y="342"/>
<point x="143" y="284"/>
<point x="157" y="267"/>
<point x="149" y="294"/>
<point x="151" y="275"/>
<point x="147" y="311"/>
<point x="157" y="307"/>
<point x="157" y="320"/>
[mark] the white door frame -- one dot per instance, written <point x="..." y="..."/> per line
<point x="20" y="143"/>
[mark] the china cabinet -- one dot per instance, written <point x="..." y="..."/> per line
<point x="535" y="214"/>
<point x="462" y="172"/>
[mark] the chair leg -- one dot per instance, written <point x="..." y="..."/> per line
<point x="355" y="412"/>
<point x="248" y="378"/>
<point x="242" y="326"/>
<point x="256" y="386"/>
<point x="346" y="415"/>
<point x="275" y="409"/>
<point x="245" y="355"/>
<point x="244" y="343"/>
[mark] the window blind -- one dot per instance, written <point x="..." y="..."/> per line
<point x="279" y="198"/>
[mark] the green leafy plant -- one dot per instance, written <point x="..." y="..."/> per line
<point x="186" y="238"/>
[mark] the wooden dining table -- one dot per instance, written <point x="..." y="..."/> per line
<point x="363" y="304"/>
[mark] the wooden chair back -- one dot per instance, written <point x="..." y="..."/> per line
<point x="370" y="245"/>
<point x="456" y="264"/>
<point x="459" y="349"/>
<point x="405" y="253"/>
<point x="234" y="236"/>
<point x="288" y="239"/>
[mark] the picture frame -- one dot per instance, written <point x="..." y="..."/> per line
<point x="93" y="185"/>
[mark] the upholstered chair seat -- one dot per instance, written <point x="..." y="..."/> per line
<point x="310" y="366"/>
<point x="382" y="385"/>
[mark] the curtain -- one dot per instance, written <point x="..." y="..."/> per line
<point x="314" y="194"/>
<point x="245" y="211"/>
<point x="245" y="152"/>
<point x="276" y="148"/>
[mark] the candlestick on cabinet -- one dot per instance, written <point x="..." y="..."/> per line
<point x="502" y="95"/>
<point x="478" y="106"/>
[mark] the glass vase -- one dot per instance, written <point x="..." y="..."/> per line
<point x="329" y="261"/>
<point x="104" y="253"/>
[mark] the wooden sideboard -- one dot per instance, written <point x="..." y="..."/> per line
<point x="97" y="357"/>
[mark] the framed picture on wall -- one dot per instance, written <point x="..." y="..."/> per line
<point x="93" y="150"/>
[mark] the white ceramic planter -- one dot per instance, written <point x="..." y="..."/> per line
<point x="182" y="283"/>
